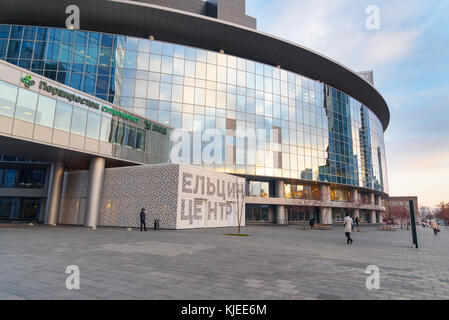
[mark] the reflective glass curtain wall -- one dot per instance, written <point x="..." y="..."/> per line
<point x="320" y="133"/>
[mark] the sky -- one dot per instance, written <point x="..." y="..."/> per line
<point x="409" y="54"/>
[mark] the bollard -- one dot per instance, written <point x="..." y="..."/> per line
<point x="156" y="224"/>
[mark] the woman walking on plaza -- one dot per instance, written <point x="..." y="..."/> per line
<point x="435" y="227"/>
<point x="348" y="228"/>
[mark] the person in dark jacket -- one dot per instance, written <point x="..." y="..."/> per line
<point x="143" y="217"/>
<point x="312" y="223"/>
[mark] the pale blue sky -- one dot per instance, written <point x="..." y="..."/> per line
<point x="410" y="59"/>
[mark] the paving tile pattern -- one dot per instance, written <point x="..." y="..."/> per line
<point x="274" y="263"/>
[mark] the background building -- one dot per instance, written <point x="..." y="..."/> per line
<point x="400" y="206"/>
<point x="180" y="64"/>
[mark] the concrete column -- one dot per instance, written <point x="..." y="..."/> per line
<point x="94" y="192"/>
<point x="325" y="192"/>
<point x="371" y="199"/>
<point x="325" y="212"/>
<point x="280" y="215"/>
<point x="271" y="214"/>
<point x="54" y="194"/>
<point x="326" y="215"/>
<point x="280" y="210"/>
<point x="379" y="200"/>
<point x="279" y="189"/>
<point x="373" y="218"/>
<point x="355" y="198"/>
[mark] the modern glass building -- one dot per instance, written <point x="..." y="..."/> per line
<point x="313" y="143"/>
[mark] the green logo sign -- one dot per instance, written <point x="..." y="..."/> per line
<point x="28" y="81"/>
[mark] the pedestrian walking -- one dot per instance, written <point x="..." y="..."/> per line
<point x="143" y="216"/>
<point x="348" y="228"/>
<point x="435" y="227"/>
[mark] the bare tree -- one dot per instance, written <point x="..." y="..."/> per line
<point x="240" y="202"/>
<point x="401" y="213"/>
<point x="442" y="212"/>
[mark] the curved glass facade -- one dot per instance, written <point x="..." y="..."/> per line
<point x="312" y="131"/>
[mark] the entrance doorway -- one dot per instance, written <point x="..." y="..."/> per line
<point x="12" y="208"/>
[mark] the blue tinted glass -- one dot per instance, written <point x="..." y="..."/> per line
<point x="190" y="53"/>
<point x="89" y="84"/>
<point x="102" y="84"/>
<point x="81" y="39"/>
<point x="63" y="77"/>
<point x="53" y="51"/>
<point x="131" y="43"/>
<point x="4" y="31"/>
<point x="94" y="39"/>
<point x="68" y="36"/>
<point x="104" y="70"/>
<point x="55" y="35"/>
<point x="27" y="50"/>
<point x="90" y="68"/>
<point x="92" y="55"/>
<point x="76" y="81"/>
<point x="16" y="32"/>
<point x="3" y="48"/>
<point x="39" y="51"/>
<point x="29" y="33"/>
<point x="106" y="41"/>
<point x="41" y="34"/>
<point x="14" y="49"/>
<point x="106" y="56"/>
<point x="66" y="53"/>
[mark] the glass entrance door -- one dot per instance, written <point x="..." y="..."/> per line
<point x="29" y="209"/>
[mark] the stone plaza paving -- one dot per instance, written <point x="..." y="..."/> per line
<point x="274" y="263"/>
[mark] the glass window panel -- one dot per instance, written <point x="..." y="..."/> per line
<point x="131" y="43"/>
<point x="155" y="63"/>
<point x="140" y="139"/>
<point x="141" y="89"/>
<point x="8" y="97"/>
<point x="167" y="65"/>
<point x="189" y="69"/>
<point x="45" y="111"/>
<point x="26" y="105"/>
<point x="79" y="120"/>
<point x="93" y="125"/>
<point x="156" y="47"/>
<point x="153" y="90"/>
<point x="144" y="45"/>
<point x="105" y="132"/>
<point x="178" y="67"/>
<point x="63" y="116"/>
<point x="189" y="94"/>
<point x="165" y="92"/>
<point x="143" y="61"/>
<point x="221" y="74"/>
<point x="200" y="70"/>
<point x="131" y="59"/>
<point x="177" y="93"/>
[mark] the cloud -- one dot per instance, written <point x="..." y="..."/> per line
<point x="408" y="55"/>
<point x="337" y="29"/>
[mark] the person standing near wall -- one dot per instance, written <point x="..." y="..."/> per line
<point x="143" y="217"/>
<point x="348" y="228"/>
